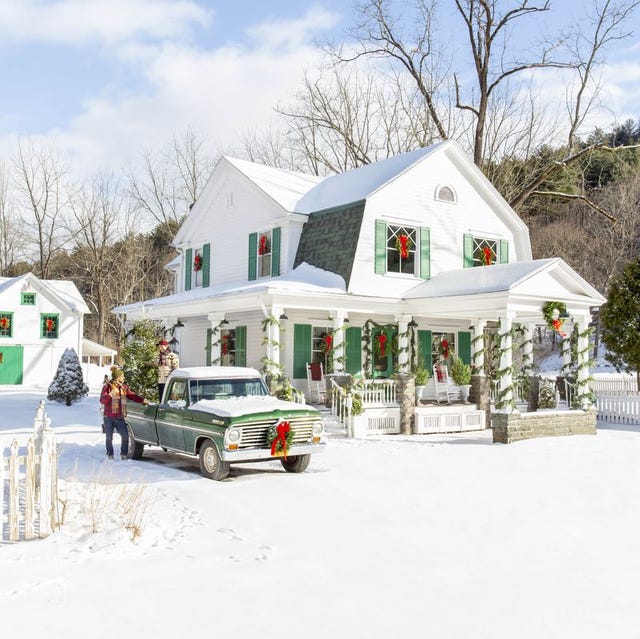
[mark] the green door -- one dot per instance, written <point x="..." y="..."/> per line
<point x="385" y="346"/>
<point x="11" y="364"/>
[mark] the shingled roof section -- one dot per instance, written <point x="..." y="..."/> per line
<point x="329" y="239"/>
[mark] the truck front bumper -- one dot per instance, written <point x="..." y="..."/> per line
<point x="250" y="454"/>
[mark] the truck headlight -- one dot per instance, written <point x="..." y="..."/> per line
<point x="233" y="435"/>
<point x="318" y="429"/>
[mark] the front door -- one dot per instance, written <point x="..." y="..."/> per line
<point x="385" y="351"/>
<point x="11" y="363"/>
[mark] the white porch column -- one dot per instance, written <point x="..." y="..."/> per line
<point x="403" y="343"/>
<point x="338" y="345"/>
<point x="582" y="386"/>
<point x="504" y="398"/>
<point x="273" y="341"/>
<point x="565" y="354"/>
<point x="527" y="348"/>
<point x="215" y="319"/>
<point x="477" y="347"/>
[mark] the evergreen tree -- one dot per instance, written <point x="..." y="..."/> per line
<point x="620" y="318"/>
<point x="140" y="356"/>
<point x="68" y="383"/>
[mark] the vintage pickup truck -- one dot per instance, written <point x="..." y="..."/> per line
<point x="224" y="415"/>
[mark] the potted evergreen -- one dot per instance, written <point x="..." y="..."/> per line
<point x="461" y="375"/>
<point x="422" y="377"/>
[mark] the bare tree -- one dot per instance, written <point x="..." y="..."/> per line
<point x="11" y="235"/>
<point x="171" y="179"/>
<point x="38" y="178"/>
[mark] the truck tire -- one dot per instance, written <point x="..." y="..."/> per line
<point x="211" y="465"/>
<point x="296" y="464"/>
<point x="135" y="448"/>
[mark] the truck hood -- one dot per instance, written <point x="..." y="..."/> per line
<point x="239" y="406"/>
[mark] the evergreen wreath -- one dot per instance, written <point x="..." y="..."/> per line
<point x="548" y="309"/>
<point x="197" y="262"/>
<point x="278" y="447"/>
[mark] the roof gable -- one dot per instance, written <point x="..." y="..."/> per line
<point x="62" y="293"/>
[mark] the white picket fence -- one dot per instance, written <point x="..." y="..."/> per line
<point x="614" y="384"/>
<point x="28" y="484"/>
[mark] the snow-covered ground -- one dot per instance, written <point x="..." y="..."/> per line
<point x="420" y="536"/>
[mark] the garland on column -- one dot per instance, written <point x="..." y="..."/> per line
<point x="474" y="355"/>
<point x="268" y="365"/>
<point x="367" y="347"/>
<point x="216" y="331"/>
<point x="501" y="399"/>
<point x="585" y="396"/>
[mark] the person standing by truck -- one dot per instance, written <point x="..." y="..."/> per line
<point x="167" y="362"/>
<point x="113" y="398"/>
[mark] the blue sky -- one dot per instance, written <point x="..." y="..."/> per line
<point x="108" y="78"/>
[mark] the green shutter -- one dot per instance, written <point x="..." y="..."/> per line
<point x="504" y="252"/>
<point x="425" y="253"/>
<point x="206" y="264"/>
<point x="275" y="251"/>
<point x="381" y="247"/>
<point x="424" y="350"/>
<point x="253" y="255"/>
<point x="464" y="346"/>
<point x="353" y="349"/>
<point x="241" y="346"/>
<point x="188" y="259"/>
<point x="301" y="350"/>
<point x="468" y="251"/>
<point x="207" y="347"/>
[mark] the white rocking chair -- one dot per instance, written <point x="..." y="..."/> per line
<point x="316" y="383"/>
<point x="442" y="383"/>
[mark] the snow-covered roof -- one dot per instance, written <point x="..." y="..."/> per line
<point x="358" y="184"/>
<point x="496" y="278"/>
<point x="65" y="292"/>
<point x="285" y="187"/>
<point x="304" y="278"/>
<point x="174" y="264"/>
<point x="94" y="349"/>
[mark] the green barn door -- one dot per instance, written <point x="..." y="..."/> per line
<point x="11" y="364"/>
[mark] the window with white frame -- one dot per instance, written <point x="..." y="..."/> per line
<point x="401" y="249"/>
<point x="198" y="264"/>
<point x="485" y="251"/>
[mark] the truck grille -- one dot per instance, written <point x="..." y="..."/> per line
<point x="255" y="435"/>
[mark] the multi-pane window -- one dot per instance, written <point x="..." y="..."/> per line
<point x="264" y="254"/>
<point x="49" y="326"/>
<point x="6" y="324"/>
<point x="321" y="347"/>
<point x="28" y="299"/>
<point x="401" y="249"/>
<point x="485" y="252"/>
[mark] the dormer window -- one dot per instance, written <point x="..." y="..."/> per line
<point x="264" y="253"/>
<point x="445" y="194"/>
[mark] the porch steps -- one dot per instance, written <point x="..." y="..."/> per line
<point x="332" y="424"/>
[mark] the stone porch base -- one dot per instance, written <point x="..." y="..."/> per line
<point x="513" y="427"/>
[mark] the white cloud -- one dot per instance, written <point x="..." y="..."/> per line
<point x="109" y="22"/>
<point x="220" y="93"/>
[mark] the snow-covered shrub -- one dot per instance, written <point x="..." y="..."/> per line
<point x="68" y="383"/>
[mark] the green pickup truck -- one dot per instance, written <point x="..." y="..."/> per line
<point x="224" y="415"/>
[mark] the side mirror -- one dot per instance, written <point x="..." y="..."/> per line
<point x="177" y="403"/>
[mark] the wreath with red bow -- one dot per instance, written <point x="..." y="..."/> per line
<point x="328" y="343"/>
<point x="280" y="437"/>
<point x="225" y="344"/>
<point x="263" y="245"/>
<point x="487" y="256"/>
<point x="403" y="245"/>
<point x="49" y="324"/>
<point x="4" y="323"/>
<point x="197" y="262"/>
<point x="382" y="345"/>
<point x="444" y="348"/>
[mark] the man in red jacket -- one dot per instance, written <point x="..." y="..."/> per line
<point x="113" y="397"/>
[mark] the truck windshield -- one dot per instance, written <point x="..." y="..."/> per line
<point x="226" y="388"/>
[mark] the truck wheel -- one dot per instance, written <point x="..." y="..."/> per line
<point x="135" y="448"/>
<point x="211" y="465"/>
<point x="296" y="464"/>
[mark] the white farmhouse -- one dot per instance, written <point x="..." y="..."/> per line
<point x="408" y="260"/>
<point x="39" y="320"/>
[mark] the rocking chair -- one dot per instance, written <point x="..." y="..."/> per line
<point x="442" y="383"/>
<point x="316" y="383"/>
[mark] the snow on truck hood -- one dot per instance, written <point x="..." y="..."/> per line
<point x="239" y="406"/>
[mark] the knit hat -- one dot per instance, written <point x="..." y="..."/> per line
<point x="163" y="342"/>
<point x="116" y="372"/>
